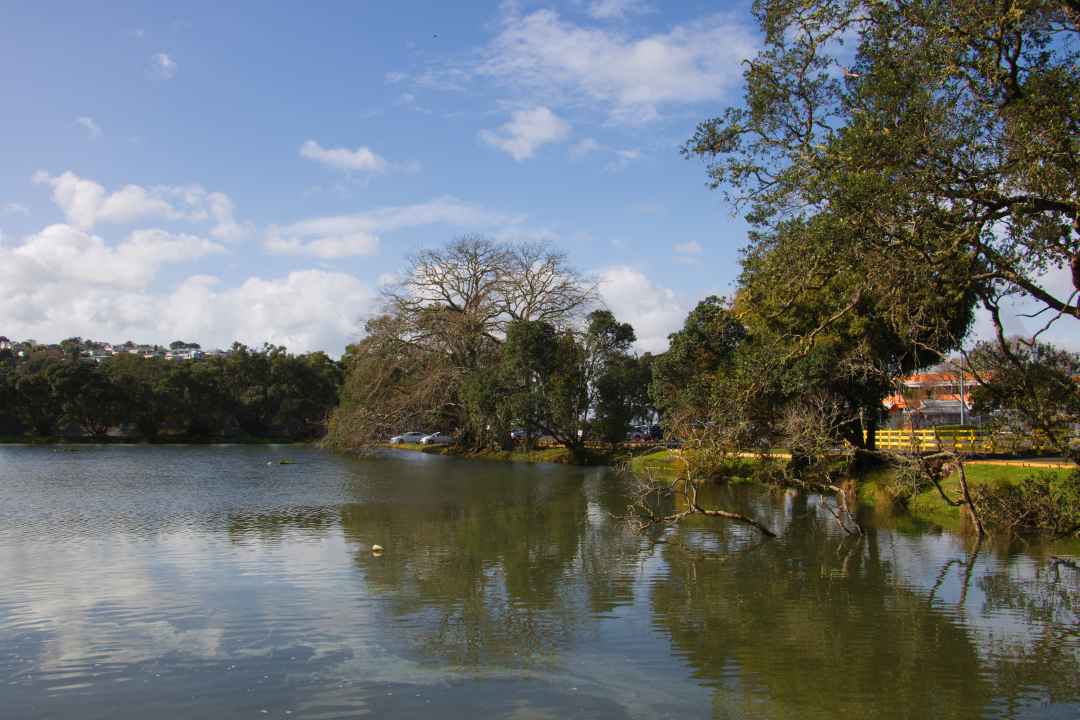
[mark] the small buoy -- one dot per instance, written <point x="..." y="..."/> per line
<point x="376" y="549"/>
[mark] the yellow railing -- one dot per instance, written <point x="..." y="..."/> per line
<point x="964" y="440"/>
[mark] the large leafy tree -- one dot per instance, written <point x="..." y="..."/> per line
<point x="841" y="334"/>
<point x="681" y="377"/>
<point x="942" y="137"/>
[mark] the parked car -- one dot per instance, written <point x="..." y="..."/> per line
<point x="409" y="437"/>
<point x="518" y="434"/>
<point x="439" y="438"/>
<point x="645" y="433"/>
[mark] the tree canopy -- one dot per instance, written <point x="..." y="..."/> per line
<point x="941" y="138"/>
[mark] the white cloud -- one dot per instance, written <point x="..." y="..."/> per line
<point x="689" y="248"/>
<point x="359" y="234"/>
<point x="527" y="131"/>
<point x="361" y="159"/>
<point x="617" y="9"/>
<point x="85" y="203"/>
<point x="392" y="78"/>
<point x="226" y="228"/>
<point x="163" y="66"/>
<point x="633" y="76"/>
<point x="654" y="311"/>
<point x="62" y="253"/>
<point x="304" y="310"/>
<point x="93" y="130"/>
<point x="14" y="209"/>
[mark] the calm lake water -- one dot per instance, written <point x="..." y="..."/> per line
<point x="201" y="582"/>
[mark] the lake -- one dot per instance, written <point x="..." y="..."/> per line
<point x="203" y="582"/>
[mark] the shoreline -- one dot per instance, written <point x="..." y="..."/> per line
<point x="927" y="507"/>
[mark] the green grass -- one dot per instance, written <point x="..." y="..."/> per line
<point x="928" y="506"/>
<point x="659" y="462"/>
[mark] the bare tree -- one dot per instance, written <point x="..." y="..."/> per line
<point x="446" y="321"/>
<point x="539" y="285"/>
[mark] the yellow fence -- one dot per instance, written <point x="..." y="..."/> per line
<point x="963" y="440"/>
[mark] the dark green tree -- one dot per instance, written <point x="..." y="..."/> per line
<point x="940" y="137"/>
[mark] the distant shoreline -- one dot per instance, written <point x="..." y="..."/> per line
<point x="35" y="441"/>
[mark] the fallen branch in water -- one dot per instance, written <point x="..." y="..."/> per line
<point x="680" y="491"/>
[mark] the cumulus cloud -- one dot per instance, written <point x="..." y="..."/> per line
<point x="359" y="234"/>
<point x="304" y="310"/>
<point x="654" y="311"/>
<point x="226" y="227"/>
<point x="526" y="132"/>
<point x="163" y="66"/>
<point x="62" y="253"/>
<point x="86" y="203"/>
<point x="634" y="77"/>
<point x="361" y="159"/>
<point x="93" y="130"/>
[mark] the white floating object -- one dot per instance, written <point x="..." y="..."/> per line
<point x="376" y="549"/>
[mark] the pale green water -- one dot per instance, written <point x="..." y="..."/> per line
<point x="186" y="582"/>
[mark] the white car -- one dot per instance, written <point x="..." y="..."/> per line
<point x="439" y="438"/>
<point x="409" y="437"/>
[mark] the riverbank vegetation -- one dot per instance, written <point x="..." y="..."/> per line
<point x="902" y="165"/>
<point x="482" y="338"/>
<point x="247" y="395"/>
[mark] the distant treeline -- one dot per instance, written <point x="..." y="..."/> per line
<point x="246" y="393"/>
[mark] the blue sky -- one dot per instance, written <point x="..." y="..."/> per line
<point x="257" y="171"/>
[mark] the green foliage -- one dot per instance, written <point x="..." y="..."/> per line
<point x="1043" y="502"/>
<point x="266" y="393"/>
<point x="682" y="376"/>
<point x="900" y="161"/>
<point x="482" y="338"/>
<point x="1029" y="386"/>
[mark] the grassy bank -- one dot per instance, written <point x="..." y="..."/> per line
<point x="875" y="488"/>
<point x="928" y="505"/>
<point x="640" y="459"/>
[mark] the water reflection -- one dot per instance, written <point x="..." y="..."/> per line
<point x="181" y="582"/>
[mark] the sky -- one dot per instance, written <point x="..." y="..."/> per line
<point x="258" y="172"/>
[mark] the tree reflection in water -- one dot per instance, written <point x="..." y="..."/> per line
<point x="820" y="624"/>
<point x="490" y="569"/>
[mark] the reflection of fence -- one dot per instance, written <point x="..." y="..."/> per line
<point x="963" y="440"/>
